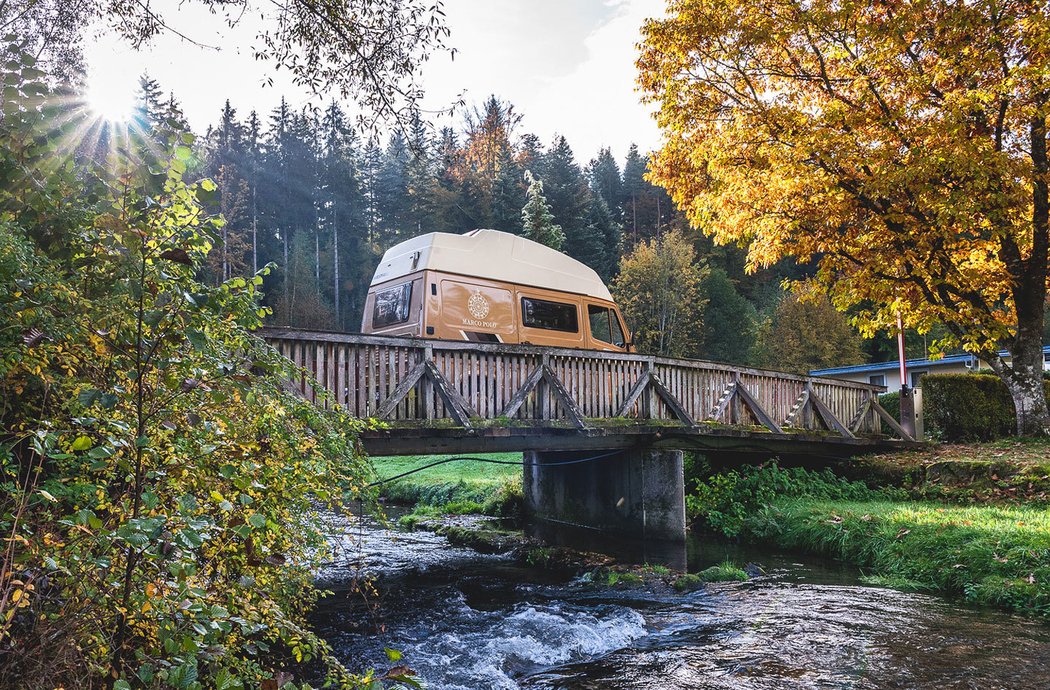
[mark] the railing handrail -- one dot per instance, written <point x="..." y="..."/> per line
<point x="522" y="349"/>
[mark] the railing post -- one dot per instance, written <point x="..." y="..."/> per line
<point x="427" y="388"/>
<point x="646" y="402"/>
<point x="735" y="412"/>
<point x="541" y="391"/>
<point x="807" y="409"/>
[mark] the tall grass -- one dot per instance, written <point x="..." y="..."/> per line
<point x="996" y="556"/>
<point x="987" y="555"/>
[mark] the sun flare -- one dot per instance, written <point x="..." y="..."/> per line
<point x="111" y="95"/>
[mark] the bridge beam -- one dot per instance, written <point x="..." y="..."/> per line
<point x="635" y="492"/>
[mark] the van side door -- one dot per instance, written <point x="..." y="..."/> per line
<point x="605" y="329"/>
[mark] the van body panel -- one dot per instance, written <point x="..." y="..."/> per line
<point x="468" y="309"/>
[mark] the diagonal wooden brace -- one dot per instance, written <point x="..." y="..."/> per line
<point x="828" y="416"/>
<point x="402" y="389"/>
<point x="518" y="399"/>
<point x="890" y="421"/>
<point x="457" y="406"/>
<point x="723" y="402"/>
<point x="672" y="402"/>
<point x="571" y="409"/>
<point x="756" y="409"/>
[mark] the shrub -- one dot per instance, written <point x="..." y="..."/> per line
<point x="967" y="407"/>
<point x="891" y="402"/>
<point x="723" y="502"/>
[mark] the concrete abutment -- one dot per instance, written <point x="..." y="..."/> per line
<point x="637" y="493"/>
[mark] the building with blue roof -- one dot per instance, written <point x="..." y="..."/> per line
<point x="888" y="373"/>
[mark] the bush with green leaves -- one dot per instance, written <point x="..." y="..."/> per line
<point x="159" y="487"/>
<point x="724" y="501"/>
<point x="968" y="407"/>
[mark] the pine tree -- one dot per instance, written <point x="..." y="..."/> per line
<point x="568" y="195"/>
<point x="604" y="236"/>
<point x="253" y="163"/>
<point x="536" y="218"/>
<point x="604" y="176"/>
<point x="632" y="191"/>
<point x="508" y="195"/>
<point x="392" y="186"/>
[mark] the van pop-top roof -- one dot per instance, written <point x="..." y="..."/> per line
<point x="492" y="255"/>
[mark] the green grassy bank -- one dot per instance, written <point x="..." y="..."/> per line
<point x="462" y="486"/>
<point x="991" y="553"/>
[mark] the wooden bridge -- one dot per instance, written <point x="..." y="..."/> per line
<point x="448" y="396"/>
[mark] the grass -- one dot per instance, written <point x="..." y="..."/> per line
<point x="726" y="571"/>
<point x="459" y="487"/>
<point x="990" y="553"/>
<point x="987" y="555"/>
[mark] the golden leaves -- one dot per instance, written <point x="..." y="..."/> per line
<point x="887" y="146"/>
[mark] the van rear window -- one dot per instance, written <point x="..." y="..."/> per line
<point x="392" y="306"/>
<point x="552" y="316"/>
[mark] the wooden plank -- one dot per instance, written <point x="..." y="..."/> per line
<point x="542" y="396"/>
<point x="428" y="386"/>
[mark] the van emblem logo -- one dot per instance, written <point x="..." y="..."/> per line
<point x="478" y="305"/>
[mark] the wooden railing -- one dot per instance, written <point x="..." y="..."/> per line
<point x="408" y="381"/>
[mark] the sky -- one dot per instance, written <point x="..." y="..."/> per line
<point x="566" y="65"/>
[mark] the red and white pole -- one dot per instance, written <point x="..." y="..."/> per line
<point x="900" y="351"/>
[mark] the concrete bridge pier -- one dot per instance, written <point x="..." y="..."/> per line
<point x="637" y="493"/>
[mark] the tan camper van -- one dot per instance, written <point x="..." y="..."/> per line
<point x="491" y="287"/>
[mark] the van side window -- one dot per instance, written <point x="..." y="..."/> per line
<point x="604" y="325"/>
<point x="618" y="338"/>
<point x="392" y="305"/>
<point x="552" y="316"/>
<point x="599" y="318"/>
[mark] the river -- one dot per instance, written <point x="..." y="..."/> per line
<point x="465" y="620"/>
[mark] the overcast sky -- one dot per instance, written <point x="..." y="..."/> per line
<point x="566" y="65"/>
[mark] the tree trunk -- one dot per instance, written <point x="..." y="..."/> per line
<point x="1024" y="376"/>
<point x="335" y="267"/>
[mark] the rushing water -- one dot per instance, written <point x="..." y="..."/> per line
<point x="467" y="620"/>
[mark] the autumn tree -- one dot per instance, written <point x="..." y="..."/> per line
<point x="806" y="334"/>
<point x="901" y="146"/>
<point x="658" y="290"/>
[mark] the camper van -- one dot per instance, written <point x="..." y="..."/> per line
<point x="488" y="286"/>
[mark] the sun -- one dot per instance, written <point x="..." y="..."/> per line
<point x="111" y="95"/>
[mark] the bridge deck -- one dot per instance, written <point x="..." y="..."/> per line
<point x="452" y="396"/>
